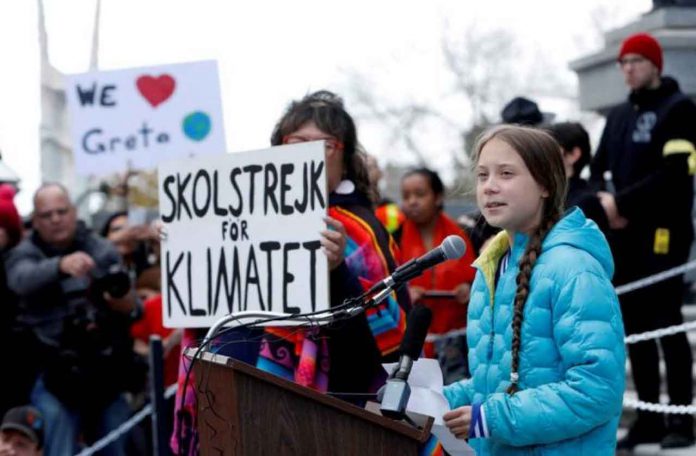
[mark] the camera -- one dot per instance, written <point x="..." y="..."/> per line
<point x="115" y="281"/>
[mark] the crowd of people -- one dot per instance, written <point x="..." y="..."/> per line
<point x="527" y="326"/>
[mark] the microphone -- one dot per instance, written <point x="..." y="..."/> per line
<point x="396" y="392"/>
<point x="451" y="248"/>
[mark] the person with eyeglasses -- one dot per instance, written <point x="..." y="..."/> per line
<point x="647" y="149"/>
<point x="345" y="358"/>
<point x="83" y="359"/>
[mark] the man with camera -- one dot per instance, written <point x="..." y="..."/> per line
<point x="77" y="305"/>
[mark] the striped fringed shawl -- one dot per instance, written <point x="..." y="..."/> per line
<point x="302" y="356"/>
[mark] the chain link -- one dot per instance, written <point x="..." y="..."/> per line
<point x="659" y="277"/>
<point x="662" y="332"/>
<point x="641" y="283"/>
<point x="126" y="426"/>
<point x="632" y="339"/>
<point x="448" y="335"/>
<point x="660" y="408"/>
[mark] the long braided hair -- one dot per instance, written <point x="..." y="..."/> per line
<point x="542" y="156"/>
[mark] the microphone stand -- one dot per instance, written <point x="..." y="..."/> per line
<point x="262" y="315"/>
<point x="346" y="310"/>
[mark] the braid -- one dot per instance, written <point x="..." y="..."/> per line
<point x="527" y="262"/>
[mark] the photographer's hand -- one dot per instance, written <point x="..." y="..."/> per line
<point x="76" y="264"/>
<point x="126" y="304"/>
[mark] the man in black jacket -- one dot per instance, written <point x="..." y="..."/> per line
<point x="647" y="152"/>
<point x="80" y="311"/>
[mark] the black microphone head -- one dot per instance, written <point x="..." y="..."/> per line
<point x="453" y="247"/>
<point x="417" y="325"/>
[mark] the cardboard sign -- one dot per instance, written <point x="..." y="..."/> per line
<point x="243" y="233"/>
<point x="136" y="118"/>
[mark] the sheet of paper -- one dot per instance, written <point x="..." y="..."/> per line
<point x="426" y="398"/>
<point x="425" y="373"/>
<point x="451" y="444"/>
<point x="428" y="402"/>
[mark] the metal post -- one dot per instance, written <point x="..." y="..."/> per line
<point x="159" y="439"/>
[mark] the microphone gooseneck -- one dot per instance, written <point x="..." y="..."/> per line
<point x="419" y="319"/>
<point x="396" y="392"/>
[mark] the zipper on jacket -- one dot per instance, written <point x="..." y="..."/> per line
<point x="489" y="351"/>
<point x="491" y="336"/>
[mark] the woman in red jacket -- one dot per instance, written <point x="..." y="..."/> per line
<point x="444" y="288"/>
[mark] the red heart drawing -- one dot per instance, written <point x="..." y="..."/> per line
<point x="156" y="90"/>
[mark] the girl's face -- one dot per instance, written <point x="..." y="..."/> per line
<point x="420" y="203"/>
<point x="506" y="192"/>
<point x="334" y="150"/>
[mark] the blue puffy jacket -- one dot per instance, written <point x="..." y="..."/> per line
<point x="572" y="354"/>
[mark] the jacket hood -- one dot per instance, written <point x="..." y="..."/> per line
<point x="574" y="229"/>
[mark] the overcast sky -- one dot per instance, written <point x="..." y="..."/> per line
<point x="270" y="52"/>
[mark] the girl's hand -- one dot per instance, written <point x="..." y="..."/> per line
<point x="333" y="242"/>
<point x="458" y="421"/>
<point x="462" y="293"/>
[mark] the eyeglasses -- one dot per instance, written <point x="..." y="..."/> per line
<point x="329" y="144"/>
<point x="631" y="61"/>
<point x="47" y="215"/>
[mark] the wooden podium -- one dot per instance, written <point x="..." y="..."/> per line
<point x="245" y="411"/>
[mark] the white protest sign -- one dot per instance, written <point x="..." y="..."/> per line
<point x="135" y="118"/>
<point x="243" y="233"/>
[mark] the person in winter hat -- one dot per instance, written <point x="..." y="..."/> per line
<point x="648" y="149"/>
<point x="10" y="221"/>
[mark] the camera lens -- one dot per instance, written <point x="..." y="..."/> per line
<point x="117" y="284"/>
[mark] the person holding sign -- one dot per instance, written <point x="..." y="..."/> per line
<point x="345" y="358"/>
<point x="444" y="288"/>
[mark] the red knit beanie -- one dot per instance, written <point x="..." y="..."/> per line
<point x="9" y="217"/>
<point x="645" y="45"/>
